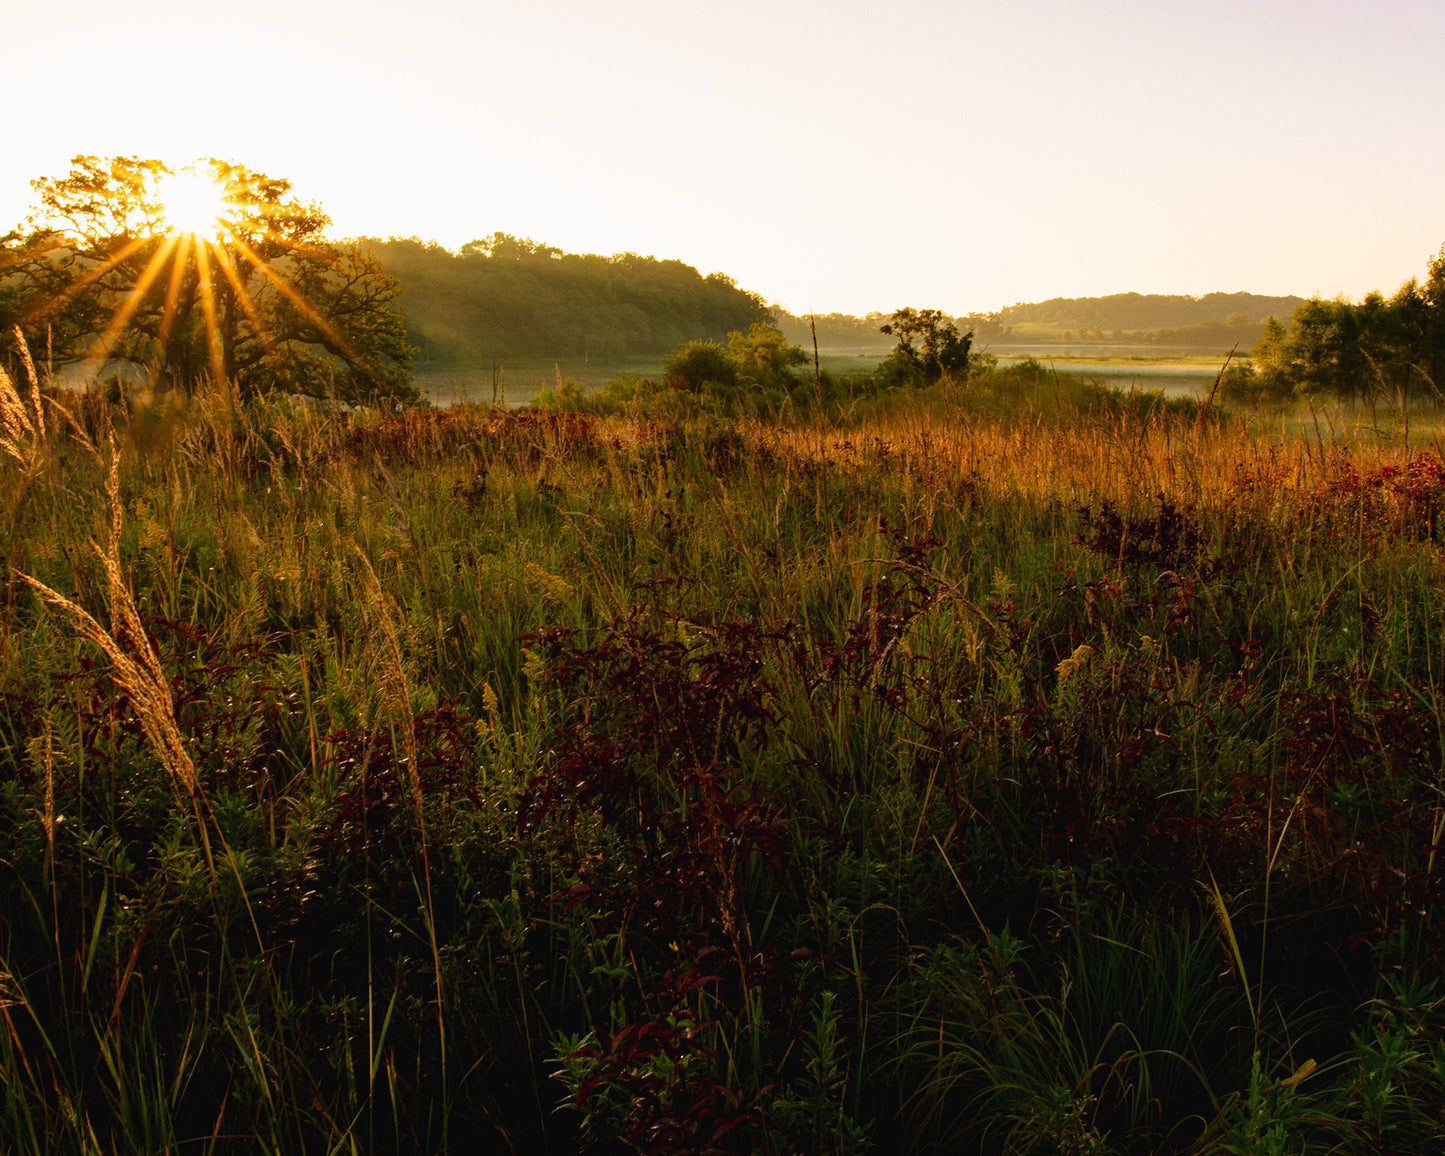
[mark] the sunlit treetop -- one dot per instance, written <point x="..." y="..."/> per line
<point x="206" y="270"/>
<point x="193" y="201"/>
<point x="105" y="198"/>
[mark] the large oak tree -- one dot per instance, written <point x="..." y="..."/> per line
<point x="254" y="294"/>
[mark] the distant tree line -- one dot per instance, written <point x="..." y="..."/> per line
<point x="1392" y="346"/>
<point x="505" y="297"/>
<point x="834" y="330"/>
<point x="1220" y="320"/>
<point x="1132" y="312"/>
<point x="1237" y="331"/>
<point x="841" y="330"/>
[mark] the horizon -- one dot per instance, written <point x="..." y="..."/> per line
<point x="827" y="157"/>
<point x="456" y="250"/>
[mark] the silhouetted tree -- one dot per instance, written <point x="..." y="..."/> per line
<point x="1358" y="350"/>
<point x="700" y="366"/>
<point x="929" y="347"/>
<point x="765" y="361"/>
<point x="261" y="299"/>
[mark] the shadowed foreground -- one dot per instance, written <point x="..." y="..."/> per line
<point x="532" y="781"/>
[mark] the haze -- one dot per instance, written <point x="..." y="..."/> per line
<point x="838" y="156"/>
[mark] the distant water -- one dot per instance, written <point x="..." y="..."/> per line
<point x="447" y="386"/>
<point x="1170" y="378"/>
<point x="519" y="384"/>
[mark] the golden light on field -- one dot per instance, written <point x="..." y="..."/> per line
<point x="192" y="202"/>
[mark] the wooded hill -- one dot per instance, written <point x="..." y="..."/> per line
<point x="1134" y="312"/>
<point x="504" y="298"/>
<point x="1213" y="320"/>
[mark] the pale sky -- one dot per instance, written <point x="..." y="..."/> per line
<point x="830" y="156"/>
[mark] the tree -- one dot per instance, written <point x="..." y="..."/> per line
<point x="764" y="359"/>
<point x="1376" y="347"/>
<point x="1269" y="375"/>
<point x="758" y="364"/>
<point x="700" y="366"/>
<point x="929" y="347"/>
<point x="1429" y="318"/>
<point x="244" y="288"/>
<point x="1320" y="352"/>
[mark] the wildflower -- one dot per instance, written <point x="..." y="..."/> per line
<point x="554" y="587"/>
<point x="154" y="535"/>
<point x="1076" y="661"/>
<point x="1003" y="585"/>
<point x="534" y="666"/>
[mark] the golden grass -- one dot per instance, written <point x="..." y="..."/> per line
<point x="1118" y="459"/>
<point x="135" y="665"/>
<point x="23" y="420"/>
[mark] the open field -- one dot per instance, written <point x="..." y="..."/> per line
<point x="517" y="383"/>
<point x="1044" y="771"/>
<point x="520" y="383"/>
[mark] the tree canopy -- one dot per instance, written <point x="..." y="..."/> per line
<point x="759" y="364"/>
<point x="124" y="260"/>
<point x="929" y="347"/>
<point x="1378" y="346"/>
<point x="505" y="297"/>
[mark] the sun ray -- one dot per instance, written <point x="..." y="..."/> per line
<point x="243" y="298"/>
<point x="307" y="310"/>
<point x="173" y="294"/>
<point x="89" y="277"/>
<point x="111" y="334"/>
<point x="208" y="310"/>
<point x="212" y="221"/>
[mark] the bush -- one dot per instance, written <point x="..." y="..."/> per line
<point x="700" y="366"/>
<point x="1243" y="384"/>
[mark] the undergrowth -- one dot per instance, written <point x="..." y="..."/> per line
<point x="940" y="776"/>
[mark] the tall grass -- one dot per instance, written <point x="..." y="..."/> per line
<point x="1012" y="767"/>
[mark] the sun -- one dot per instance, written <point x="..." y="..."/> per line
<point x="192" y="202"/>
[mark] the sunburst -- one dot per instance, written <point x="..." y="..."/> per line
<point x="193" y="201"/>
<point x="204" y="251"/>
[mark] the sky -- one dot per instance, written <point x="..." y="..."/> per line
<point x="840" y="156"/>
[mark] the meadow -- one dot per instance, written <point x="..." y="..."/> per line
<point x="1017" y="767"/>
<point x="521" y="382"/>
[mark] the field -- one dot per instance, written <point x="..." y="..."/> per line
<point x="1021" y="768"/>
<point x="522" y="382"/>
<point x="519" y="383"/>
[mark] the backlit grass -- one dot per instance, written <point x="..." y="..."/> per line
<point x="1014" y="768"/>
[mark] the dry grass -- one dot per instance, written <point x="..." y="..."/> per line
<point x="135" y="665"/>
<point x="23" y="420"/>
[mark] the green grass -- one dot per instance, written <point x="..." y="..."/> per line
<point x="1013" y="767"/>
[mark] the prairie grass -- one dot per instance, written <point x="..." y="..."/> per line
<point x="1016" y="767"/>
